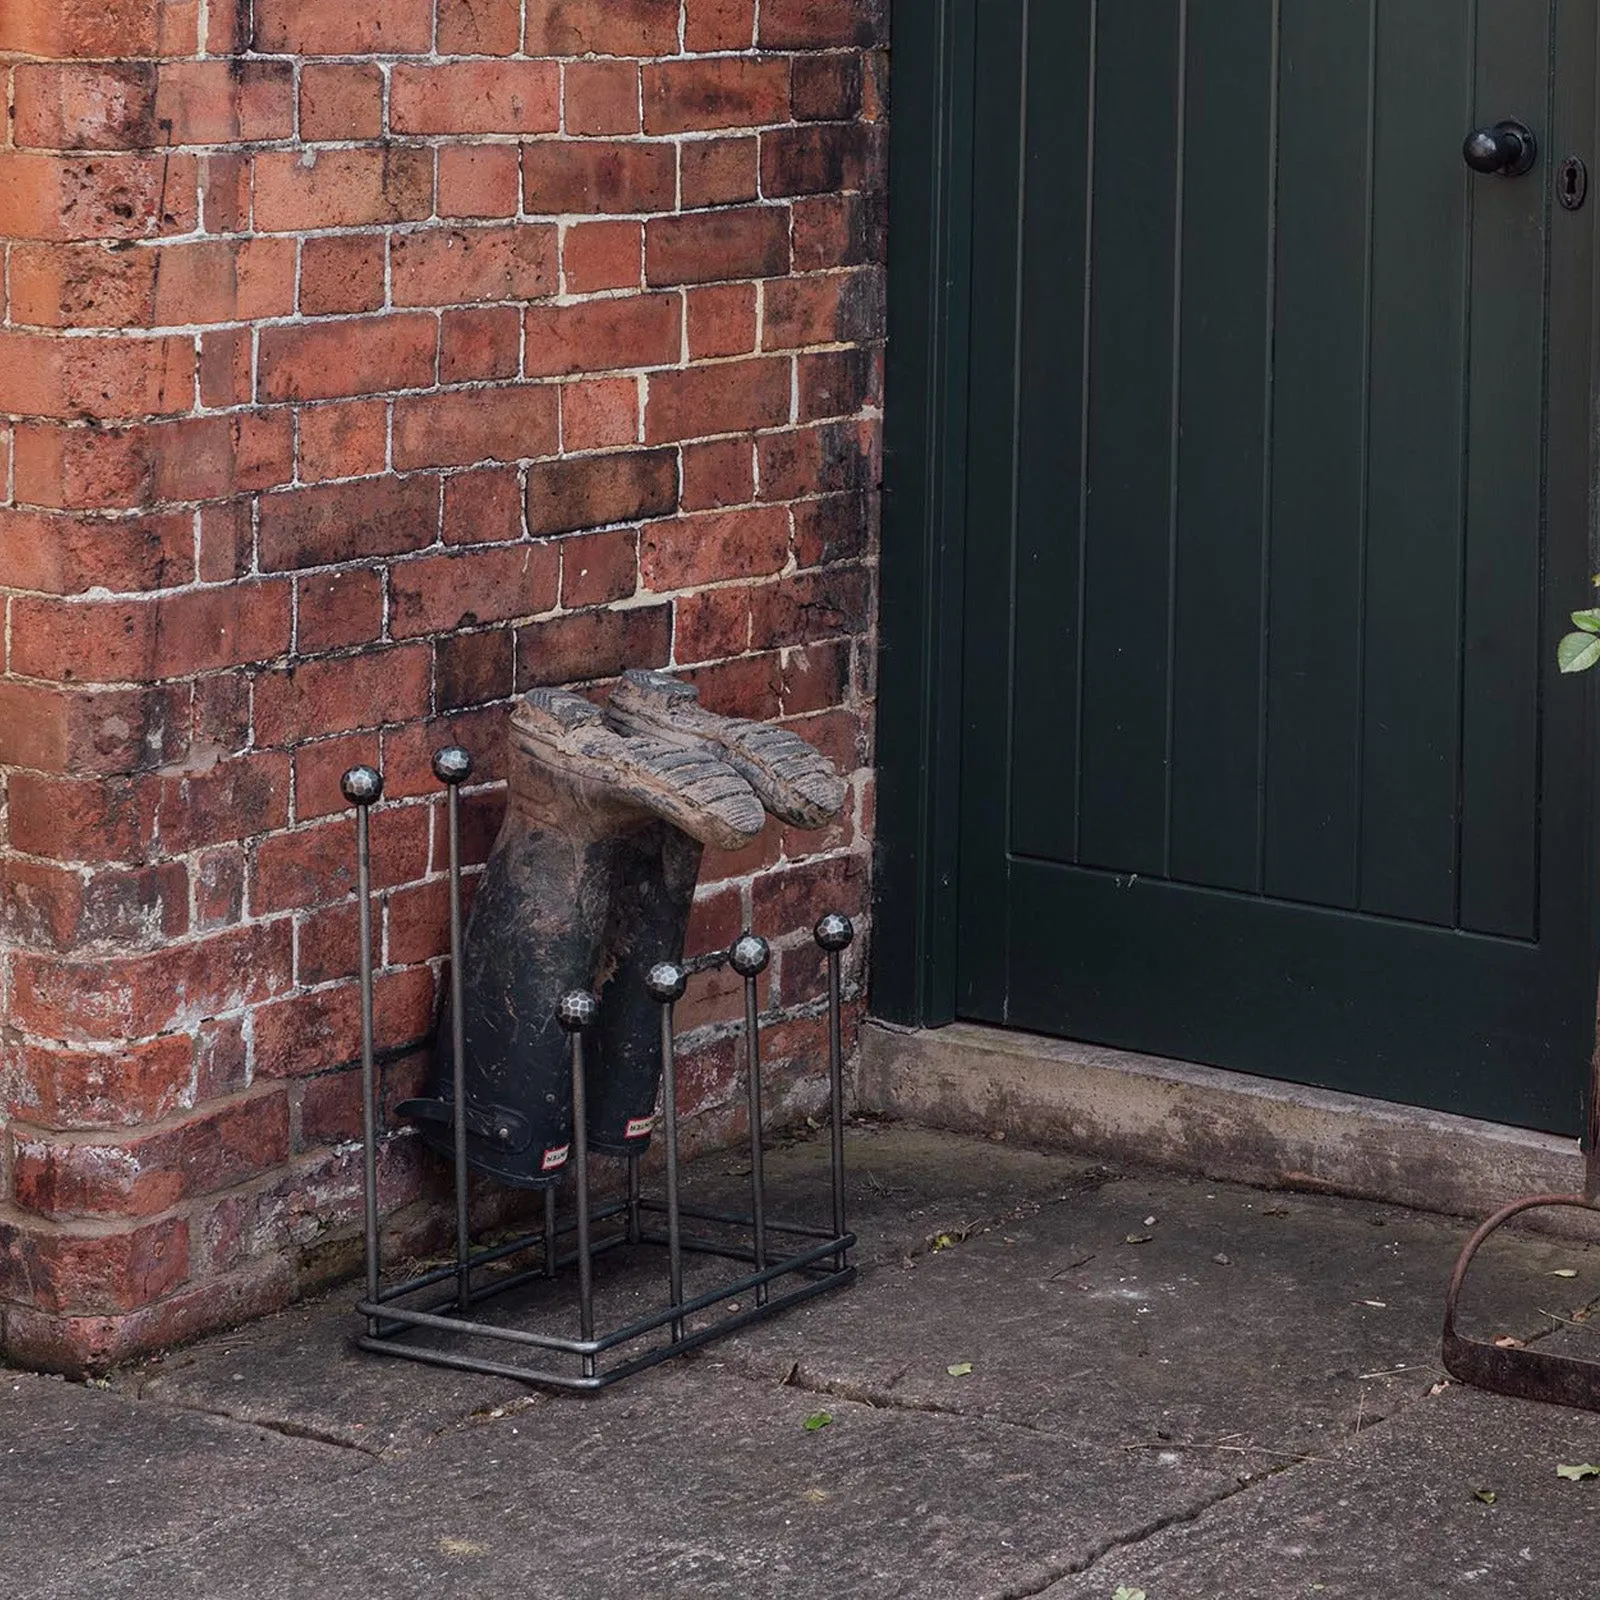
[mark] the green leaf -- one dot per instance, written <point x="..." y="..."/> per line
<point x="1125" y="1593"/>
<point x="1578" y="652"/>
<point x="1579" y="1473"/>
<point x="1487" y="1496"/>
<point x="818" y="1419"/>
<point x="959" y="1369"/>
<point x="1589" y="621"/>
<point x="1138" y="1238"/>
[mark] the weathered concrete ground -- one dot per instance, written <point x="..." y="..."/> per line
<point x="1196" y="1390"/>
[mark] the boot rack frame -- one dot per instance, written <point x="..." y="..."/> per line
<point x="810" y="1260"/>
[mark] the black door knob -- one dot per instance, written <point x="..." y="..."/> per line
<point x="1506" y="150"/>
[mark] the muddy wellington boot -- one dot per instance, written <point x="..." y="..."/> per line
<point x="579" y="791"/>
<point x="657" y="866"/>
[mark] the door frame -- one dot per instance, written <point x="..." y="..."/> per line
<point x="931" y="279"/>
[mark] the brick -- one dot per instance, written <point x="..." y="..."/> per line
<point x="462" y="428"/>
<point x="319" y="1031"/>
<point x="479" y="180"/>
<point x="315" y="865"/>
<point x="822" y="24"/>
<point x="417" y="923"/>
<point x="721" y="473"/>
<point x="113" y="378"/>
<point x="832" y="529"/>
<point x="139" y="1175"/>
<point x="593" y="491"/>
<point x="835" y="383"/>
<point x="718" y="172"/>
<point x="603" y="335"/>
<point x="436" y="594"/>
<point x="68" y="106"/>
<point x="602" y="255"/>
<point x="476" y="97"/>
<point x="343" y="440"/>
<point x="219" y="889"/>
<point x="746" y="687"/>
<point x="618" y="28"/>
<point x="63" y="554"/>
<point x="455" y="266"/>
<point x="48" y="907"/>
<point x="820" y="158"/>
<point x="61" y="1089"/>
<point x="342" y="274"/>
<point x="340" y="694"/>
<point x="114" y="641"/>
<point x="479" y="27"/>
<point x="582" y="646"/>
<point x="600" y="97"/>
<point x="342" y="188"/>
<point x="96" y="28"/>
<point x="599" y="414"/>
<point x="341" y="102"/>
<point x="198" y="458"/>
<point x="222" y="102"/>
<point x="363" y="356"/>
<point x="326" y="940"/>
<point x="838" y="230"/>
<point x="315" y="527"/>
<point x="225" y="191"/>
<point x="225" y="374"/>
<point x="827" y="88"/>
<point x="227" y="541"/>
<point x="711" y="625"/>
<point x="56" y="1271"/>
<point x="97" y="196"/>
<point x="338" y="608"/>
<point x="479" y="343"/>
<point x="719" y="24"/>
<point x="713" y="246"/>
<point x="721" y="320"/>
<point x="723" y="92"/>
<point x="90" y="285"/>
<point x="319" y="768"/>
<point x="708" y="548"/>
<point x="728" y="397"/>
<point x="483" y="507"/>
<point x="808" y="606"/>
<point x="598" y="568"/>
<point x="470" y="669"/>
<point x="220" y="713"/>
<point x="233" y="799"/>
<point x="137" y="997"/>
<point x="802" y="311"/>
<point x="825" y="459"/>
<point x="88" y="820"/>
<point x="353" y="27"/>
<point x="562" y="177"/>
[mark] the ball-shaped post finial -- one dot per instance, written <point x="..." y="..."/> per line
<point x="749" y="955"/>
<point x="666" y="981"/>
<point x="452" y="764"/>
<point x="577" y="1010"/>
<point x="834" y="932"/>
<point x="361" y="786"/>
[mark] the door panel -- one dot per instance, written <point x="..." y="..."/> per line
<point x="1276" y="495"/>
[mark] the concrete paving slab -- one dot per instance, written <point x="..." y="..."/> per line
<point x="692" y="1484"/>
<point x="1400" y="1513"/>
<point x="89" y="1478"/>
<point x="1168" y="1312"/>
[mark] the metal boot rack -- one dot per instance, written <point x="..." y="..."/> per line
<point x="810" y="1260"/>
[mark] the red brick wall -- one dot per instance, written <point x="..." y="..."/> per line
<point x="362" y="365"/>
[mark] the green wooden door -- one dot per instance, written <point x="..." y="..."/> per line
<point x="1277" y="495"/>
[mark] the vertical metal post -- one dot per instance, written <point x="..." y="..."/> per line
<point x="834" y="933"/>
<point x="362" y="787"/>
<point x="550" y="1232"/>
<point x="635" y="1230"/>
<point x="666" y="981"/>
<point x="576" y="1012"/>
<point x="749" y="958"/>
<point x="452" y="766"/>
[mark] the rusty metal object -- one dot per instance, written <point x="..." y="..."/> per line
<point x="1528" y="1374"/>
<point x="590" y="883"/>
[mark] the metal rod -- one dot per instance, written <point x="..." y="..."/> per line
<point x="735" y="1219"/>
<point x="580" y="1154"/>
<point x="749" y="958"/>
<point x="669" y="1106"/>
<point x="550" y="1232"/>
<point x="832" y="941"/>
<point x="362" y="786"/>
<point x="458" y="1045"/>
<point x="634" y="1200"/>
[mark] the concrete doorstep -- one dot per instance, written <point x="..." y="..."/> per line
<point x="1053" y="1378"/>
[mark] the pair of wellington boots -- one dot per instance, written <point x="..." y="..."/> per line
<point x="590" y="883"/>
